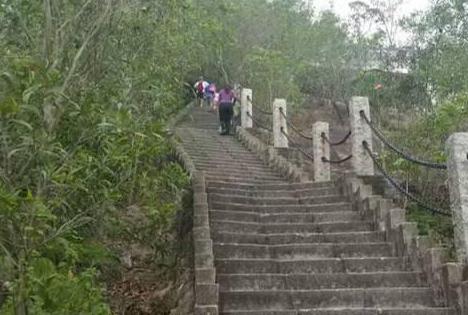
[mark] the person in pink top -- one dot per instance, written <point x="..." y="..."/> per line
<point x="227" y="99"/>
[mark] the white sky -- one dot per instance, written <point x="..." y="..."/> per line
<point x="341" y="7"/>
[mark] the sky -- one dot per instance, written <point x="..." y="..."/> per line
<point x="341" y="7"/>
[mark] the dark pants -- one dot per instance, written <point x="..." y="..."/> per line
<point x="225" y="116"/>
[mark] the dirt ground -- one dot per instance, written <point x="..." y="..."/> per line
<point x="139" y="285"/>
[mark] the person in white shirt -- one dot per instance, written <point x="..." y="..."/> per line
<point x="200" y="87"/>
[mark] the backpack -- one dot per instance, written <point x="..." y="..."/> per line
<point x="200" y="87"/>
<point x="210" y="89"/>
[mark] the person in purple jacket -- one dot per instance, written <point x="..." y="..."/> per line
<point x="227" y="99"/>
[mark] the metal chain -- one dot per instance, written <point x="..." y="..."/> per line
<point x="406" y="156"/>
<point x="257" y="109"/>
<point x="263" y="112"/>
<point x="402" y="190"/>
<point x="324" y="137"/>
<point x="325" y="160"/>
<point x="296" y="146"/>
<point x="258" y="123"/>
<point x="294" y="128"/>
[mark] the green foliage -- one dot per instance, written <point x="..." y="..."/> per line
<point x="438" y="228"/>
<point x="426" y="139"/>
<point x="274" y="47"/>
<point x="450" y="117"/>
<point x="83" y="141"/>
<point x="59" y="291"/>
<point x="440" y="38"/>
<point x="387" y="89"/>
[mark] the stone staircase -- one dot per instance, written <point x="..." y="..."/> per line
<point x="294" y="248"/>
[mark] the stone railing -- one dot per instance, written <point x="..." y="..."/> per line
<point x="206" y="288"/>
<point x="449" y="280"/>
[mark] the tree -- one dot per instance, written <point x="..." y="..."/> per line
<point x="440" y="48"/>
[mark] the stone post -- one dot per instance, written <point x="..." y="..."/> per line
<point x="321" y="151"/>
<point x="457" y="164"/>
<point x="361" y="161"/>
<point x="279" y="139"/>
<point x="246" y="107"/>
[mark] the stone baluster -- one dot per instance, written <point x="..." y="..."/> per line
<point x="457" y="164"/>
<point x="279" y="124"/>
<point x="321" y="149"/>
<point x="246" y="107"/>
<point x="361" y="131"/>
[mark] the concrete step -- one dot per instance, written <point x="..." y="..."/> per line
<point x="275" y="228"/>
<point x="220" y="153"/>
<point x="297" y="281"/>
<point x="351" y="311"/>
<point x="200" y="123"/>
<point x="294" y="248"/>
<point x="276" y="239"/>
<point x="302" y="250"/>
<point x="246" y="180"/>
<point x="270" y="209"/>
<point x="275" y="193"/>
<point x="271" y="187"/>
<point x="225" y="159"/>
<point x="335" y="298"/>
<point x="216" y="148"/>
<point x="277" y="201"/>
<point x="312" y="266"/>
<point x="241" y="176"/>
<point x="206" y="127"/>
<point x="228" y="161"/>
<point x="253" y="178"/>
<point x="240" y="170"/>
<point x="208" y="140"/>
<point x="235" y="167"/>
<point x="252" y="217"/>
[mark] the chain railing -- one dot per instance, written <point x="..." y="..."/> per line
<point x="258" y="109"/>
<point x="393" y="182"/>
<point x="258" y="123"/>
<point x="297" y="146"/>
<point x="340" y="161"/>
<point x="404" y="155"/>
<point x="293" y="127"/>
<point x="342" y="141"/>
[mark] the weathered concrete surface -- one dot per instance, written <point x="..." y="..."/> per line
<point x="206" y="288"/>
<point x="361" y="131"/>
<point x="279" y="139"/>
<point x="270" y="156"/>
<point x="457" y="152"/>
<point x="267" y="243"/>
<point x="321" y="151"/>
<point x="246" y="107"/>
